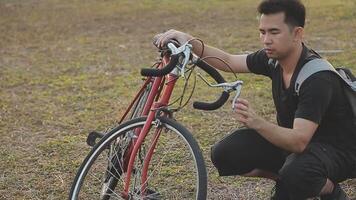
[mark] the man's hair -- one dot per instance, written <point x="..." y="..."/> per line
<point x="293" y="10"/>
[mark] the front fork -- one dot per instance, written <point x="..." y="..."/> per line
<point x="149" y="156"/>
<point x="133" y="154"/>
<point x="151" y="116"/>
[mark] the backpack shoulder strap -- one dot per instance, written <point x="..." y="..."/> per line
<point x="317" y="65"/>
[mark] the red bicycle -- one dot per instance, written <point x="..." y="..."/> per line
<point x="152" y="156"/>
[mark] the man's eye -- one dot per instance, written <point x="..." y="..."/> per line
<point x="275" y="32"/>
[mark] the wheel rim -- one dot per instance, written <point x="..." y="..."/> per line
<point x="172" y="171"/>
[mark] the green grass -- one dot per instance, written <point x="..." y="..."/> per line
<point x="69" y="67"/>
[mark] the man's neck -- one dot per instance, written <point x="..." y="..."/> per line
<point x="290" y="62"/>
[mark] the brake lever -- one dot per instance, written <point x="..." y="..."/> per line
<point x="185" y="49"/>
<point x="228" y="87"/>
<point x="237" y="95"/>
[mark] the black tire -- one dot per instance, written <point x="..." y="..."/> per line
<point x="175" y="168"/>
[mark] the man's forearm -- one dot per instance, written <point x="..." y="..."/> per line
<point x="212" y="51"/>
<point x="293" y="140"/>
<point x="285" y="138"/>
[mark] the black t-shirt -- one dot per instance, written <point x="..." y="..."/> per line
<point x="321" y="100"/>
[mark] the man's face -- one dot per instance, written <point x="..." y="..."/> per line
<point x="277" y="37"/>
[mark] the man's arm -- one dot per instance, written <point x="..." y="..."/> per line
<point x="236" y="62"/>
<point x="293" y="140"/>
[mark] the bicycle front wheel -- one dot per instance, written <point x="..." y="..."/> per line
<point x="176" y="169"/>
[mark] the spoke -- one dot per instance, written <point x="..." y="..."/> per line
<point x="138" y="167"/>
<point x="115" y="197"/>
<point x="152" y="195"/>
<point x="107" y="187"/>
<point x="171" y="172"/>
<point x="113" y="175"/>
<point x="159" y="165"/>
<point x="156" y="167"/>
<point x="122" y="169"/>
<point x="120" y="178"/>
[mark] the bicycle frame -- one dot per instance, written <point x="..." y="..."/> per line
<point x="130" y="153"/>
<point x="150" y="108"/>
<point x="145" y="111"/>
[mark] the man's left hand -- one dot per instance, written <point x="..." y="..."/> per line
<point x="246" y="115"/>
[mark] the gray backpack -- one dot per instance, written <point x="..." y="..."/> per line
<point x="345" y="74"/>
<point x="317" y="65"/>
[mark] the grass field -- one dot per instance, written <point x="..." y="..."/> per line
<point x="69" y="67"/>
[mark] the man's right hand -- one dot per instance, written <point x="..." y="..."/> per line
<point x="160" y="40"/>
<point x="237" y="63"/>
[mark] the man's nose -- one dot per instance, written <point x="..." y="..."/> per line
<point x="266" y="39"/>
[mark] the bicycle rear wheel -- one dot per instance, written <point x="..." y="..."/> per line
<point x="176" y="170"/>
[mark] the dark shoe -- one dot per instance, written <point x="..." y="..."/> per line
<point x="337" y="194"/>
<point x="279" y="192"/>
<point x="150" y="194"/>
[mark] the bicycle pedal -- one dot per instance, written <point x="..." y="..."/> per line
<point x="92" y="138"/>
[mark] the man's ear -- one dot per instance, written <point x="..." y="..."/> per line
<point x="298" y="33"/>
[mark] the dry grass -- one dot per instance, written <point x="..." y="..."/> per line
<point x="69" y="67"/>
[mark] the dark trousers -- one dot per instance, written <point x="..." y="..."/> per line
<point x="303" y="175"/>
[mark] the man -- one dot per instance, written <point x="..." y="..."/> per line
<point x="312" y="148"/>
